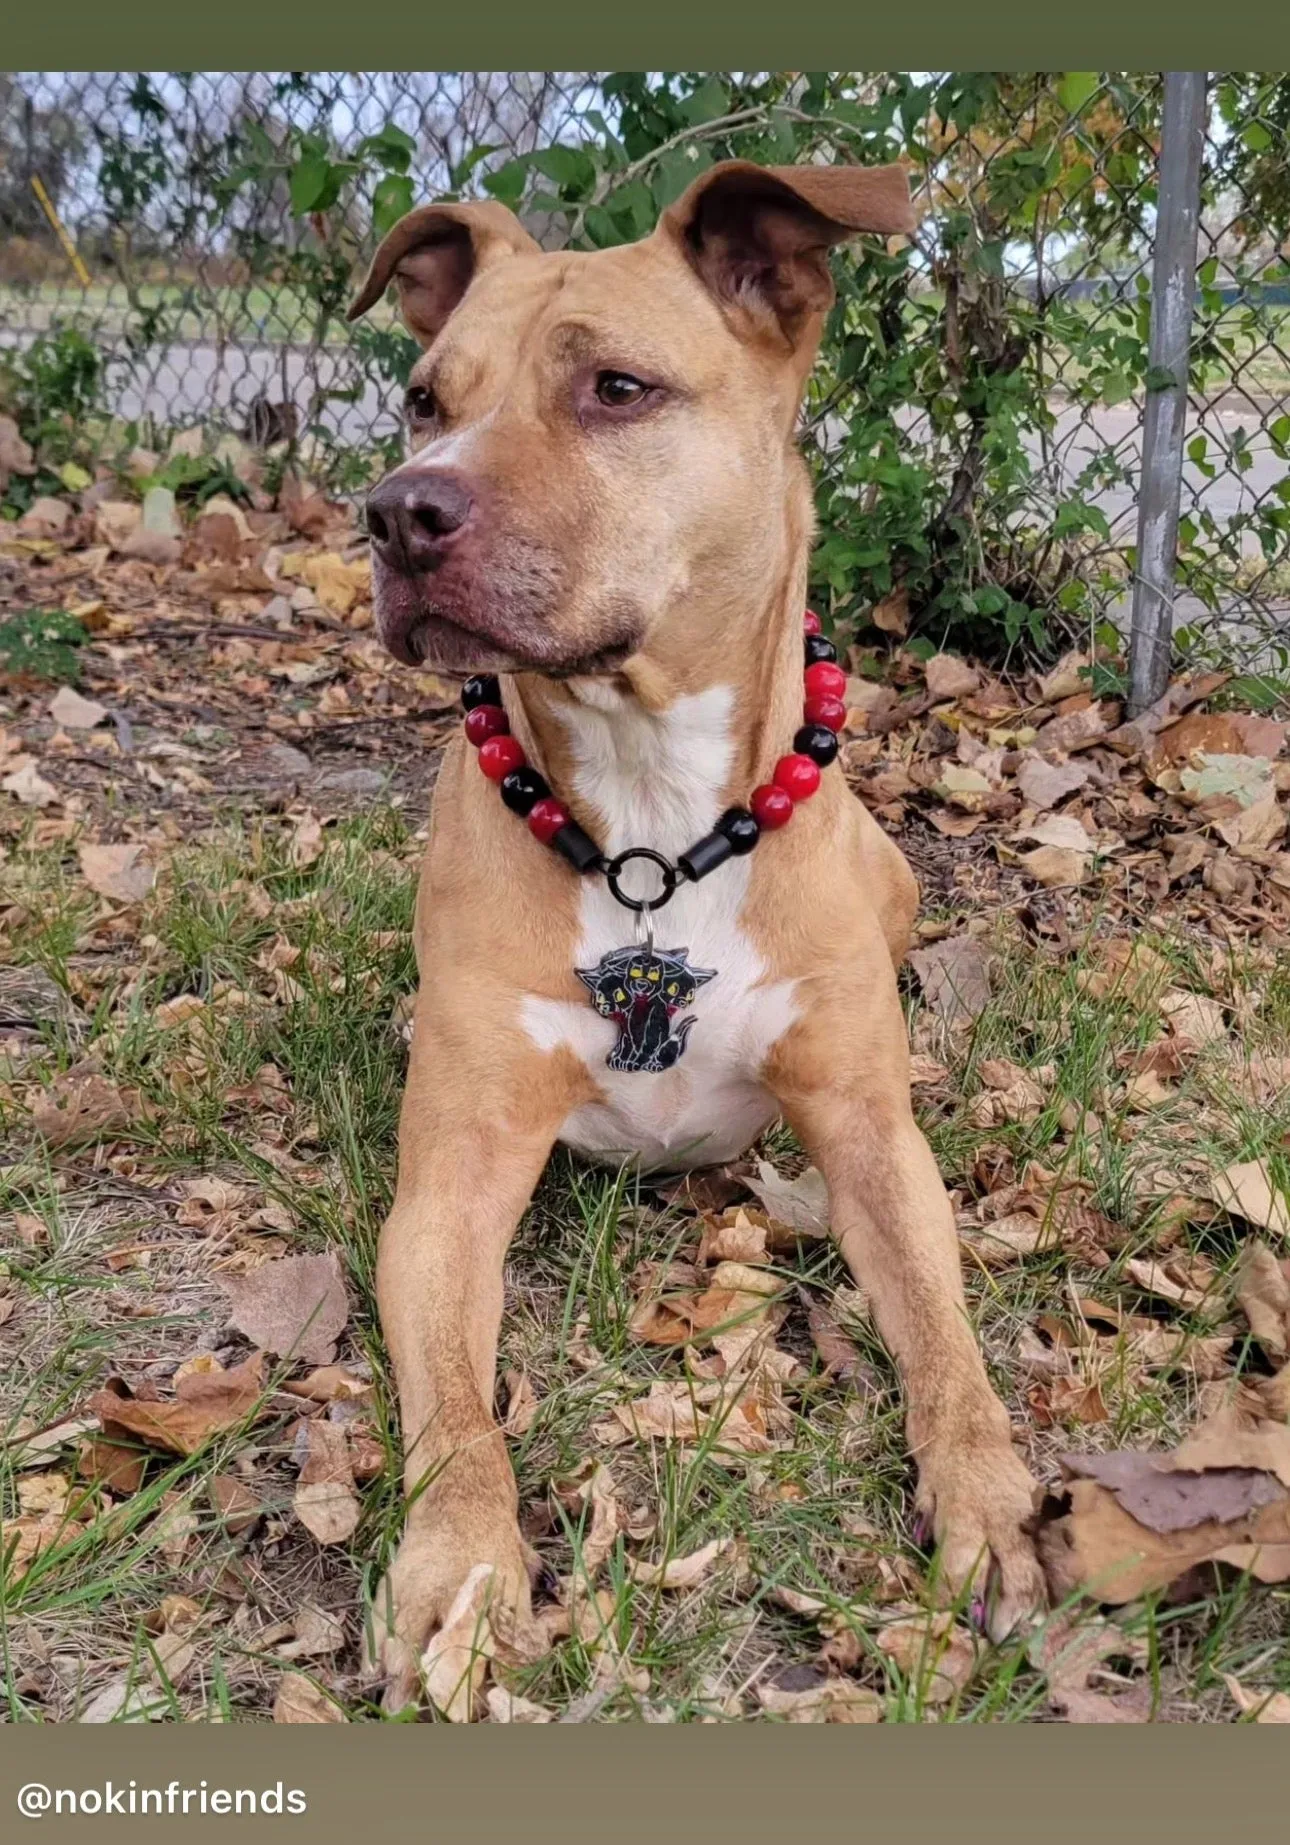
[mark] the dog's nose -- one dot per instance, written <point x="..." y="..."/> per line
<point x="412" y="517"/>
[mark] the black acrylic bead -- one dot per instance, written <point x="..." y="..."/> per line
<point x="483" y="689"/>
<point x="819" y="647"/>
<point x="522" y="789"/>
<point x="818" y="742"/>
<point x="740" y="829"/>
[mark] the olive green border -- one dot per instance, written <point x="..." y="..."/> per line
<point x="708" y="1783"/>
<point x="590" y="34"/>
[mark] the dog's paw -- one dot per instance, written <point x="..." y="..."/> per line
<point x="979" y="1501"/>
<point x="450" y="1600"/>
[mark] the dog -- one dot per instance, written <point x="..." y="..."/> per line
<point x="603" y="505"/>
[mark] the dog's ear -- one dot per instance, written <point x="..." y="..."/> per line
<point x="759" y="237"/>
<point x="434" y="254"/>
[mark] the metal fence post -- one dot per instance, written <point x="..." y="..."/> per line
<point x="1173" y="287"/>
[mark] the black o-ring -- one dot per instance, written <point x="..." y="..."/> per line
<point x="641" y="904"/>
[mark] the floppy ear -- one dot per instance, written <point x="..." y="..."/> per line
<point x="759" y="237"/>
<point x="434" y="254"/>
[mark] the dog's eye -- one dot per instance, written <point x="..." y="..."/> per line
<point x="419" y="405"/>
<point x="619" y="391"/>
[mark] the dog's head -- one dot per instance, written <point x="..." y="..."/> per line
<point x="597" y="438"/>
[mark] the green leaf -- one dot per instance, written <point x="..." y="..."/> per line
<point x="677" y="169"/>
<point x="569" y="168"/>
<point x="74" y="477"/>
<point x="708" y="102"/>
<point x="309" y="180"/>
<point x="391" y="200"/>
<point x="507" y="184"/>
<point x="1075" y="89"/>
<point x="1256" y="137"/>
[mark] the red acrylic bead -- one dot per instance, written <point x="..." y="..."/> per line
<point x="811" y="622"/>
<point x="499" y="755"/>
<point x="798" y="776"/>
<point x="486" y="721"/>
<point x="830" y="711"/>
<point x="546" y="817"/>
<point x="824" y="680"/>
<point x="770" y="806"/>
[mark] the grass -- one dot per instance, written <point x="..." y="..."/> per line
<point x="826" y="1512"/>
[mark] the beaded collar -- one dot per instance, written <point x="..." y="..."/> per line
<point x="641" y="988"/>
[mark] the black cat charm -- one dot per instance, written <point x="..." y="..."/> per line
<point x="642" y="990"/>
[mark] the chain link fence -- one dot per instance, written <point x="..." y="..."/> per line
<point x="177" y="251"/>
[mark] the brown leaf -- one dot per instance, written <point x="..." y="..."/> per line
<point x="1043" y="784"/>
<point x="25" y="782"/>
<point x="839" y="1355"/>
<point x="1246" y="1190"/>
<point x="521" y="1403"/>
<point x="456" y="1660"/>
<point x="1218" y="733"/>
<point x="1194" y="1019"/>
<point x="329" y="1510"/>
<point x="300" y="1700"/>
<point x="593" y="1486"/>
<point x="949" y="677"/>
<point x="238" y="1508"/>
<point x="685" y="1572"/>
<point x="933" y="1652"/>
<point x="955" y="978"/>
<point x="739" y="1241"/>
<point x="116" y="872"/>
<point x="802" y="1203"/>
<point x="1134" y="1522"/>
<point x="1263" y="1293"/>
<point x="1006" y="1240"/>
<point x="1056" y="867"/>
<point x="72" y="712"/>
<point x="891" y="615"/>
<point x="205" y="1403"/>
<point x="294" y="1307"/>
<point x="81" y="1108"/>
<point x="1263" y="1706"/>
<point x="113" y="1464"/>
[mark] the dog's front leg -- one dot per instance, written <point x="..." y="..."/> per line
<point x="476" y="1129"/>
<point x="841" y="1075"/>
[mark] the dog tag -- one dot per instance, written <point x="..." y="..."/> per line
<point x="642" y="990"/>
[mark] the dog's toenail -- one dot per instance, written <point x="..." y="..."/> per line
<point x="922" y="1530"/>
<point x="976" y="1613"/>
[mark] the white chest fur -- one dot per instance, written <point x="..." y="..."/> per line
<point x="656" y="780"/>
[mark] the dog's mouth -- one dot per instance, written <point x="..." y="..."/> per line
<point x="423" y="633"/>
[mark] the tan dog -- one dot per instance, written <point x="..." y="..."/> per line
<point x="604" y="504"/>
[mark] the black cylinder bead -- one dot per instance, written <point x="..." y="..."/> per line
<point x="578" y="847"/>
<point x="704" y="856"/>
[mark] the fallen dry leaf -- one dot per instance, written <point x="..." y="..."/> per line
<point x="685" y="1572"/>
<point x="1130" y="1523"/>
<point x="28" y="785"/>
<point x="294" y="1307"/>
<point x="1246" y="1190"/>
<point x="1263" y="1706"/>
<point x="933" y="1652"/>
<point x="1043" y="784"/>
<point x="955" y="977"/>
<point x="949" y="677"/>
<point x="1263" y="1294"/>
<point x="82" y="1107"/>
<point x="521" y="1403"/>
<point x="72" y="712"/>
<point x="300" y="1700"/>
<point x="205" y="1403"/>
<point x="116" y="871"/>
<point x="329" y="1510"/>
<point x="456" y="1660"/>
<point x="802" y="1204"/>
